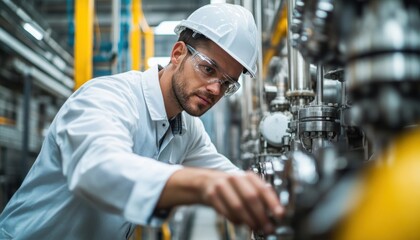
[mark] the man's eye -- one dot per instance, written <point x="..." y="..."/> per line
<point x="207" y="70"/>
<point x="225" y="83"/>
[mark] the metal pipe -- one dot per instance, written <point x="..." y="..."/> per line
<point x="245" y="102"/>
<point x="281" y="102"/>
<point x="318" y="144"/>
<point x="260" y="81"/>
<point x="42" y="80"/>
<point x="319" y="84"/>
<point x="20" y="15"/>
<point x="32" y="57"/>
<point x="27" y="90"/>
<point x="281" y="86"/>
<point x="116" y="16"/>
<point x="299" y="73"/>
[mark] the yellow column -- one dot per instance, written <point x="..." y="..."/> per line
<point x="83" y="47"/>
<point x="135" y="36"/>
<point x="149" y="45"/>
<point x="140" y="30"/>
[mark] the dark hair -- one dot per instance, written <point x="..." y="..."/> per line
<point x="192" y="38"/>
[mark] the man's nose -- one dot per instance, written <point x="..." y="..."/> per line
<point x="215" y="87"/>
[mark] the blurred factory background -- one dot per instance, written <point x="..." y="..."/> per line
<point x="334" y="108"/>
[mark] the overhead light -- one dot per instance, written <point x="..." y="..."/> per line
<point x="166" y="28"/>
<point x="217" y="1"/>
<point x="33" y="31"/>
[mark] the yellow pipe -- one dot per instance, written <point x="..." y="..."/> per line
<point x="83" y="47"/>
<point x="149" y="46"/>
<point x="279" y="33"/>
<point x="140" y="53"/>
<point x="166" y="231"/>
<point x="140" y="31"/>
<point x="135" y="38"/>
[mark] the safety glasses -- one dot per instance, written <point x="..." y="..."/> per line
<point x="208" y="71"/>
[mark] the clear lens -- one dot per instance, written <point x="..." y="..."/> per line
<point x="209" y="72"/>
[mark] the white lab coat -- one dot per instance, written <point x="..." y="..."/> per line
<point x="101" y="169"/>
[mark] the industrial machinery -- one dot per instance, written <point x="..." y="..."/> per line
<point x="338" y="124"/>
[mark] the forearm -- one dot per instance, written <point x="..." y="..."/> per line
<point x="185" y="187"/>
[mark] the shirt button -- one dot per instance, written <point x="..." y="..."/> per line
<point x="163" y="125"/>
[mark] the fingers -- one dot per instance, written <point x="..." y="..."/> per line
<point x="253" y="203"/>
<point x="269" y="196"/>
<point x="261" y="201"/>
<point x="224" y="198"/>
<point x="237" y="207"/>
<point x="245" y="199"/>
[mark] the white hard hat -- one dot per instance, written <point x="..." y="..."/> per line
<point x="232" y="27"/>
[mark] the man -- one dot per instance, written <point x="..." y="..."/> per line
<point x="125" y="149"/>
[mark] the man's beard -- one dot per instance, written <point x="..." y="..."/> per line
<point x="182" y="96"/>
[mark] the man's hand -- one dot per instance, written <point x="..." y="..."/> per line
<point x="244" y="199"/>
<point x="241" y="198"/>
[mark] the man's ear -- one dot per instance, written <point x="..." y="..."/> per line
<point x="179" y="51"/>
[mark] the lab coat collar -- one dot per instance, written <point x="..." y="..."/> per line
<point x="154" y="99"/>
<point x="153" y="94"/>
